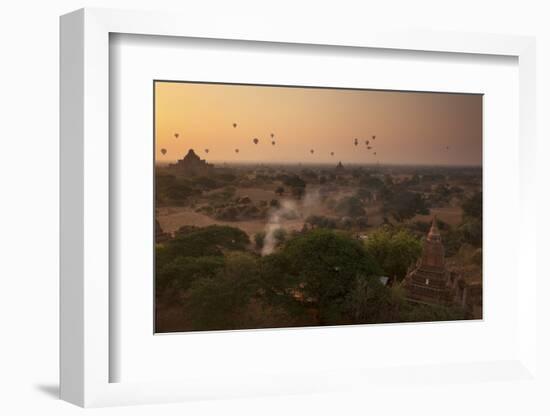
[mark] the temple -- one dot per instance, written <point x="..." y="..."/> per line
<point x="192" y="165"/>
<point x="430" y="282"/>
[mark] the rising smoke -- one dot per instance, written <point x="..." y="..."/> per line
<point x="288" y="209"/>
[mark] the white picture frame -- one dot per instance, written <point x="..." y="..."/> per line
<point x="85" y="213"/>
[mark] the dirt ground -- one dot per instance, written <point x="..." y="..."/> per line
<point x="172" y="218"/>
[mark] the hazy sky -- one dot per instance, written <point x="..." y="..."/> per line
<point x="410" y="128"/>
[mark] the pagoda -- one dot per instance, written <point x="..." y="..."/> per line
<point x="429" y="281"/>
<point x="192" y="165"/>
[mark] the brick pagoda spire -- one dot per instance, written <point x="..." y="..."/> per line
<point x="429" y="281"/>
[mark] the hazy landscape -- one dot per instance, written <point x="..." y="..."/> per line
<point x="314" y="231"/>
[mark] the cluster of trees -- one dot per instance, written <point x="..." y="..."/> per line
<point x="395" y="249"/>
<point x="398" y="201"/>
<point x="466" y="235"/>
<point x="351" y="206"/>
<point x="296" y="184"/>
<point x="318" y="277"/>
<point x="224" y="205"/>
<point x="442" y="194"/>
<point x="404" y="205"/>
<point x="472" y="224"/>
<point x="470" y="231"/>
<point x="173" y="190"/>
<point x="178" y="190"/>
<point x="343" y="223"/>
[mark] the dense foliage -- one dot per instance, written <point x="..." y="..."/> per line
<point x="394" y="249"/>
<point x="333" y="237"/>
<point x="317" y="277"/>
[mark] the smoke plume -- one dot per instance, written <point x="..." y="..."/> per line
<point x="288" y="209"/>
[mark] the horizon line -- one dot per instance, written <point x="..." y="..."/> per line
<point x="253" y="162"/>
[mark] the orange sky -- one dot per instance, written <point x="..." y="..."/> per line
<point x="410" y="128"/>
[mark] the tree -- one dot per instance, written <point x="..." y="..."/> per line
<point x="351" y="207"/>
<point x="404" y="205"/>
<point x="367" y="298"/>
<point x="431" y="313"/>
<point x="442" y="193"/>
<point x="294" y="181"/>
<point x="222" y="301"/>
<point x="280" y="236"/>
<point x="321" y="267"/>
<point x="321" y="221"/>
<point x="173" y="190"/>
<point x="298" y="192"/>
<point x="371" y="182"/>
<point x="394" y="250"/>
<point x="472" y="230"/>
<point x="206" y="183"/>
<point x="472" y="207"/>
<point x="364" y="194"/>
<point x="373" y="302"/>
<point x="259" y="239"/>
<point x="207" y="241"/>
<point x="181" y="272"/>
<point x="310" y="175"/>
<point x="415" y="179"/>
<point x="453" y="240"/>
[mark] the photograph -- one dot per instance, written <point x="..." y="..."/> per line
<point x="247" y="208"/>
<point x="286" y="206"/>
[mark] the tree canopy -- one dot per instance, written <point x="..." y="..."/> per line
<point x="394" y="250"/>
<point x="405" y="205"/>
<point x="321" y="268"/>
<point x="207" y="241"/>
<point x="472" y="207"/>
<point x="351" y="206"/>
<point x="220" y="301"/>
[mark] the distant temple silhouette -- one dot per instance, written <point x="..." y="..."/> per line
<point x="192" y="165"/>
<point x="431" y="282"/>
<point x="339" y="167"/>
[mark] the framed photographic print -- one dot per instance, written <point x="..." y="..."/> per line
<point x="364" y="207"/>
<point x="280" y="213"/>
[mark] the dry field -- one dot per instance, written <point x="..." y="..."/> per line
<point x="173" y="217"/>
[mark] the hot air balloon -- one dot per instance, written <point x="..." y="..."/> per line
<point x="374" y="153"/>
<point x="369" y="147"/>
<point x="176" y="135"/>
<point x="234" y="125"/>
<point x="272" y="135"/>
<point x="255" y="140"/>
<point x="332" y="153"/>
<point x="163" y="151"/>
<point x="312" y="151"/>
<point x="373" y="137"/>
<point x="273" y="142"/>
<point x="367" y="142"/>
<point x="206" y="150"/>
<point x="355" y="142"/>
<point x="236" y="150"/>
